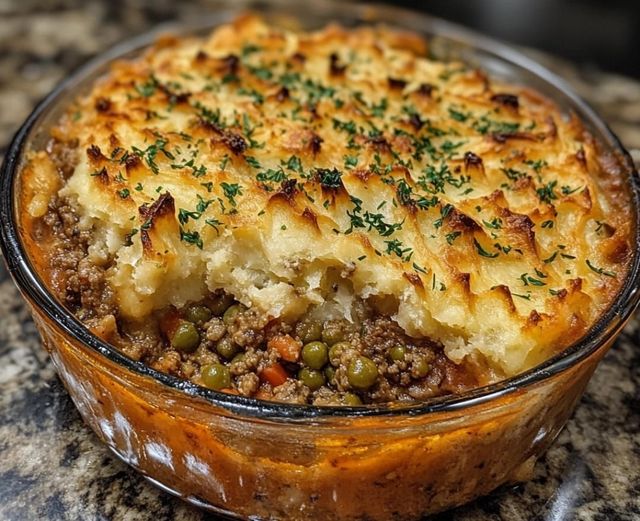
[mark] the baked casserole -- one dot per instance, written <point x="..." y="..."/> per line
<point x="326" y="218"/>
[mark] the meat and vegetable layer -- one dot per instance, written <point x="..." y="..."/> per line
<point x="330" y="217"/>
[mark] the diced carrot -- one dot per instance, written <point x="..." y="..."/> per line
<point x="286" y="346"/>
<point x="274" y="374"/>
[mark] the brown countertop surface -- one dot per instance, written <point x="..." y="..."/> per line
<point x="52" y="467"/>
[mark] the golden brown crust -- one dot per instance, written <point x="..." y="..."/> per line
<point x="494" y="221"/>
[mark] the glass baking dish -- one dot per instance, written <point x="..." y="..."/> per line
<point x="251" y="459"/>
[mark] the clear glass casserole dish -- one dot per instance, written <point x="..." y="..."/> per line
<point x="261" y="460"/>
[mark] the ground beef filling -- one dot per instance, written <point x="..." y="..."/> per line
<point x="220" y="344"/>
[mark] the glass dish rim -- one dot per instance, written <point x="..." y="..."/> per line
<point x="23" y="273"/>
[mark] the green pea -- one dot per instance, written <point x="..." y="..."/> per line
<point x="198" y="314"/>
<point x="329" y="373"/>
<point x="397" y="353"/>
<point x="238" y="358"/>
<point x="216" y="376"/>
<point x="309" y="330"/>
<point x="335" y="352"/>
<point x="332" y="333"/>
<point x="362" y="373"/>
<point x="219" y="303"/>
<point x="226" y="347"/>
<point x="231" y="313"/>
<point x="311" y="378"/>
<point x="186" y="337"/>
<point x="315" y="355"/>
<point x="351" y="400"/>
<point x="420" y="368"/>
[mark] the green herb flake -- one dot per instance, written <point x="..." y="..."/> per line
<point x="395" y="246"/>
<point x="231" y="191"/>
<point x="329" y="178"/>
<point x="458" y="116"/>
<point x="547" y="193"/>
<point x="350" y="161"/>
<point x="482" y="252"/>
<point x="249" y="48"/>
<point x="294" y="163"/>
<point x="418" y="268"/>
<point x="252" y="161"/>
<point x="600" y="271"/>
<point x="451" y="237"/>
<point x="214" y="223"/>
<point x="191" y="238"/>
<point x="494" y="224"/>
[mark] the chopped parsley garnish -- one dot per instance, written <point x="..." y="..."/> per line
<point x="444" y="213"/>
<point x="150" y="153"/>
<point x="395" y="246"/>
<point x="329" y="178"/>
<point x="379" y="108"/>
<point x="248" y="49"/>
<point x="442" y="287"/>
<point x="376" y="220"/>
<point x="529" y="280"/>
<point x="600" y="271"/>
<point x="486" y="125"/>
<point x="546" y="194"/>
<point x="224" y="161"/>
<point x="252" y="161"/>
<point x="371" y="220"/>
<point x="350" y="161"/>
<point x="210" y="116"/>
<point x="258" y="98"/>
<point x="494" y="224"/>
<point x="272" y="176"/>
<point x="536" y="165"/>
<point x="419" y="268"/>
<point x="435" y="179"/>
<point x="513" y="173"/>
<point x="231" y="191"/>
<point x="348" y="126"/>
<point x="260" y="72"/>
<point x="185" y="215"/>
<point x="294" y="163"/>
<point x="451" y="237"/>
<point x="567" y="190"/>
<point x="316" y="90"/>
<point x="148" y="88"/>
<point x="482" y="252"/>
<point x="191" y="237"/>
<point x="403" y="191"/>
<point x="458" y="116"/>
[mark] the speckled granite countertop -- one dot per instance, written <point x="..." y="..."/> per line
<point x="52" y="467"/>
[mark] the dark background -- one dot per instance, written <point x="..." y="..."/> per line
<point x="604" y="34"/>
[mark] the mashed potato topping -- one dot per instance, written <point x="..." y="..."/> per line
<point x="302" y="171"/>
